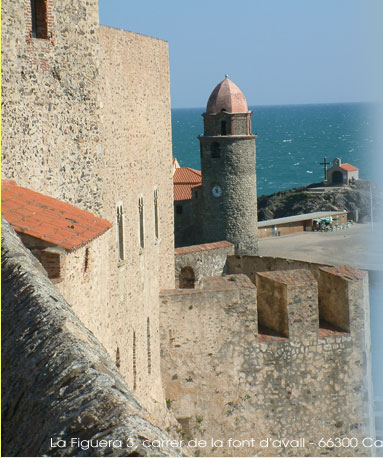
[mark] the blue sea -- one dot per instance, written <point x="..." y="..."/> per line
<point x="292" y="141"/>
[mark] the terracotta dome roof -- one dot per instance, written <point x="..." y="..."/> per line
<point x="227" y="97"/>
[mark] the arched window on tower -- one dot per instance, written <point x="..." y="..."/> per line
<point x="39" y="13"/>
<point x="215" y="150"/>
<point x="223" y="128"/>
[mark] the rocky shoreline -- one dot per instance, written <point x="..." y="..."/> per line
<point x="358" y="198"/>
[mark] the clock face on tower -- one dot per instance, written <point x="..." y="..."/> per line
<point x="216" y="191"/>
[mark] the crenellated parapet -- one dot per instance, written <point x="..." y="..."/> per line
<point x="288" y="357"/>
<point x="342" y="290"/>
<point x="287" y="303"/>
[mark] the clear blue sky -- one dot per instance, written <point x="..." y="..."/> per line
<point x="276" y="51"/>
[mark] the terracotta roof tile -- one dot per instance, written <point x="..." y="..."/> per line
<point x="202" y="247"/>
<point x="183" y="191"/>
<point x="49" y="219"/>
<point x="185" y="179"/>
<point x="187" y="175"/>
<point x="348" y="167"/>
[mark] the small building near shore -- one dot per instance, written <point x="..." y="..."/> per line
<point x="299" y="223"/>
<point x="340" y="174"/>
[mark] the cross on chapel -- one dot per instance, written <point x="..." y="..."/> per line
<point x="325" y="164"/>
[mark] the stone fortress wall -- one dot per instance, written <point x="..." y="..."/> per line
<point x="50" y="102"/>
<point x="251" y="265"/>
<point x="206" y="260"/>
<point x="59" y="382"/>
<point x="86" y="119"/>
<point x="270" y="361"/>
<point x="85" y="270"/>
<point x="136" y="131"/>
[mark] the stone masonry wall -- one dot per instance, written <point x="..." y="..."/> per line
<point x="206" y="260"/>
<point x="86" y="119"/>
<point x="50" y="102"/>
<point x="184" y="230"/>
<point x="231" y="216"/>
<point x="136" y="131"/>
<point x="85" y="288"/>
<point x="250" y="265"/>
<point x="59" y="381"/>
<point x="227" y="380"/>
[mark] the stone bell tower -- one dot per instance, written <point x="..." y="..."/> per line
<point x="229" y="188"/>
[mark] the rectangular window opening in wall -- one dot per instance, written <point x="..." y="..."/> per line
<point x="120" y="229"/>
<point x="179" y="209"/>
<point x="156" y="218"/>
<point x="118" y="358"/>
<point x="148" y="346"/>
<point x="86" y="259"/>
<point x="39" y="13"/>
<point x="134" y="362"/>
<point x="141" y="221"/>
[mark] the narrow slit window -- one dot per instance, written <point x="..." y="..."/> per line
<point x="156" y="219"/>
<point x="141" y="220"/>
<point x="118" y="358"/>
<point x="223" y="128"/>
<point x="39" y="18"/>
<point x="148" y="346"/>
<point x="134" y="362"/>
<point x="86" y="259"/>
<point x="120" y="229"/>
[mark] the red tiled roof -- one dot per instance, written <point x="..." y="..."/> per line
<point x="203" y="247"/>
<point x="187" y="175"/>
<point x="348" y="167"/>
<point x="185" y="179"/>
<point x="184" y="191"/>
<point x="49" y="219"/>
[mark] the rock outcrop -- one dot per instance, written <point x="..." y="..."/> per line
<point x="59" y="385"/>
<point x="314" y="198"/>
